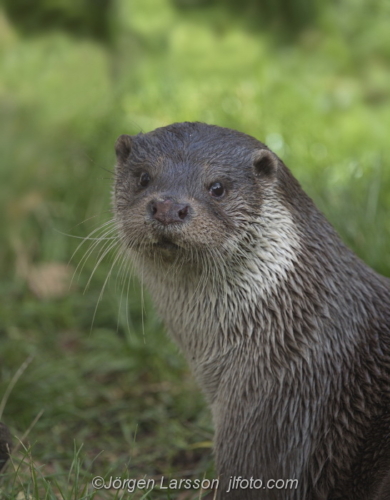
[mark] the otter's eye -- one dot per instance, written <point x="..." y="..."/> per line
<point x="144" y="179"/>
<point x="216" y="190"/>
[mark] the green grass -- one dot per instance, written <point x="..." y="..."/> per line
<point x="116" y="396"/>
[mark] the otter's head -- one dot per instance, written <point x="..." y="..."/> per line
<point x="192" y="192"/>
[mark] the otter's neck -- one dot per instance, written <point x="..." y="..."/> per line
<point x="279" y="303"/>
<point x="209" y="310"/>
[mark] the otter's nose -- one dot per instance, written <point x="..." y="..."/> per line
<point x="168" y="212"/>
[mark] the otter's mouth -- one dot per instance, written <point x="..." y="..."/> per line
<point x="166" y="244"/>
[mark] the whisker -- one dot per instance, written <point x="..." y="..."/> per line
<point x="104" y="285"/>
<point x="107" y="250"/>
<point x="89" y="237"/>
<point x="88" y="253"/>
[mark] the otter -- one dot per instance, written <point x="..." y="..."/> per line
<point x="286" y="331"/>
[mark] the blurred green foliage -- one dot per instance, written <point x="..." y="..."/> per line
<point x="103" y="370"/>
<point x="287" y="17"/>
<point x="87" y="18"/>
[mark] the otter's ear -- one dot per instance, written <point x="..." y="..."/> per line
<point x="265" y="162"/>
<point x="123" y="147"/>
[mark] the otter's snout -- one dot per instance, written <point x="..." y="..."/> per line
<point x="168" y="212"/>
